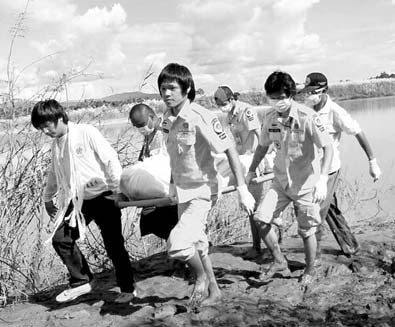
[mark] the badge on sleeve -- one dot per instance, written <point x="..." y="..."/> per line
<point x="318" y="122"/>
<point x="249" y="114"/>
<point x="218" y="129"/>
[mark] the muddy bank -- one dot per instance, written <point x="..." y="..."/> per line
<point x="347" y="291"/>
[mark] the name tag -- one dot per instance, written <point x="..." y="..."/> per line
<point x="274" y="134"/>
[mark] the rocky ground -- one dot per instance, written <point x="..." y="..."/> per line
<point x="348" y="291"/>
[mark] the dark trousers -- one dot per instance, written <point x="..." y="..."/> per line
<point x="333" y="181"/>
<point x="108" y="218"/>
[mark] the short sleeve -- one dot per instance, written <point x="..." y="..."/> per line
<point x="215" y="135"/>
<point x="344" y="121"/>
<point x="250" y="119"/>
<point x="319" y="133"/>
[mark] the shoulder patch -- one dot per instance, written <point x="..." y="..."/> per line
<point x="217" y="128"/>
<point x="249" y="114"/>
<point x="317" y="121"/>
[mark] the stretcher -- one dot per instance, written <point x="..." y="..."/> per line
<point x="166" y="201"/>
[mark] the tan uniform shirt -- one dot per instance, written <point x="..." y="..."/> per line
<point x="192" y="135"/>
<point x="242" y="120"/>
<point x="298" y="140"/>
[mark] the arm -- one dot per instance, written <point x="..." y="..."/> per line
<point x="259" y="153"/>
<point x="363" y="142"/>
<point x="50" y="190"/>
<point x="235" y="165"/>
<point x="107" y="156"/>
<point x="326" y="159"/>
<point x="374" y="168"/>
<point x="322" y="140"/>
<point x="246" y="199"/>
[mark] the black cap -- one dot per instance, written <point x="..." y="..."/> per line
<point x="314" y="81"/>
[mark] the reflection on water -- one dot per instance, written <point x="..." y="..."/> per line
<point x="376" y="117"/>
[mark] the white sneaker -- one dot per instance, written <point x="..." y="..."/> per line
<point x="125" y="297"/>
<point x="72" y="293"/>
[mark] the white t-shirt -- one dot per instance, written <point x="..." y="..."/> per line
<point x="336" y="120"/>
<point x="94" y="159"/>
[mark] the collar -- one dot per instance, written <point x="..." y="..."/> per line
<point x="326" y="108"/>
<point x="293" y="114"/>
<point x="185" y="111"/>
<point x="235" y="112"/>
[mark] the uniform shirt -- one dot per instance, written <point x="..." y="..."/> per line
<point x="242" y="120"/>
<point x="337" y="120"/>
<point x="298" y="140"/>
<point x="192" y="135"/>
<point x="94" y="158"/>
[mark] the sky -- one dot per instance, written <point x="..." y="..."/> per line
<point x="104" y="47"/>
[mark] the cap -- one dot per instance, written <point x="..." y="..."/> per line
<point x="223" y="94"/>
<point x="314" y="81"/>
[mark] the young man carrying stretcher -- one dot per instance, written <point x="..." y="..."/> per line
<point x="193" y="132"/>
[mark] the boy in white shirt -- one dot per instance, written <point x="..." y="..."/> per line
<point x="84" y="171"/>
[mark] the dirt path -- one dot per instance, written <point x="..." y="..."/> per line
<point x="356" y="291"/>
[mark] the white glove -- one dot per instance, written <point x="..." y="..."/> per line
<point x="173" y="193"/>
<point x="250" y="176"/>
<point x="247" y="201"/>
<point x="374" y="169"/>
<point x="320" y="189"/>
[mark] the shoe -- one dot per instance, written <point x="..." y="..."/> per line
<point x="125" y="297"/>
<point x="74" y="292"/>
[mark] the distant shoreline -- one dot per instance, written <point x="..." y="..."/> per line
<point x="374" y="88"/>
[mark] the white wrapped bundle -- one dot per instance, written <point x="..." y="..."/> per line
<point x="148" y="179"/>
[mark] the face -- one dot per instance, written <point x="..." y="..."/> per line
<point x="225" y="106"/>
<point x="171" y="94"/>
<point x="146" y="128"/>
<point x="54" y="129"/>
<point x="314" y="97"/>
<point x="280" y="101"/>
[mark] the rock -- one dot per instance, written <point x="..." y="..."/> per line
<point x="335" y="270"/>
<point x="98" y="304"/>
<point x="387" y="256"/>
<point x="164" y="311"/>
<point x="356" y="266"/>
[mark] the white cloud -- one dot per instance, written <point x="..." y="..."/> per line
<point x="221" y="41"/>
<point x="231" y="39"/>
<point x="98" y="20"/>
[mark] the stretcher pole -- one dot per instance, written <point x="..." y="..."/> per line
<point x="166" y="201"/>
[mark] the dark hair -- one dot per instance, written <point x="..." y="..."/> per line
<point x="228" y="92"/>
<point x="47" y="111"/>
<point x="236" y="95"/>
<point x="181" y="74"/>
<point x="140" y="109"/>
<point x="280" y="82"/>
